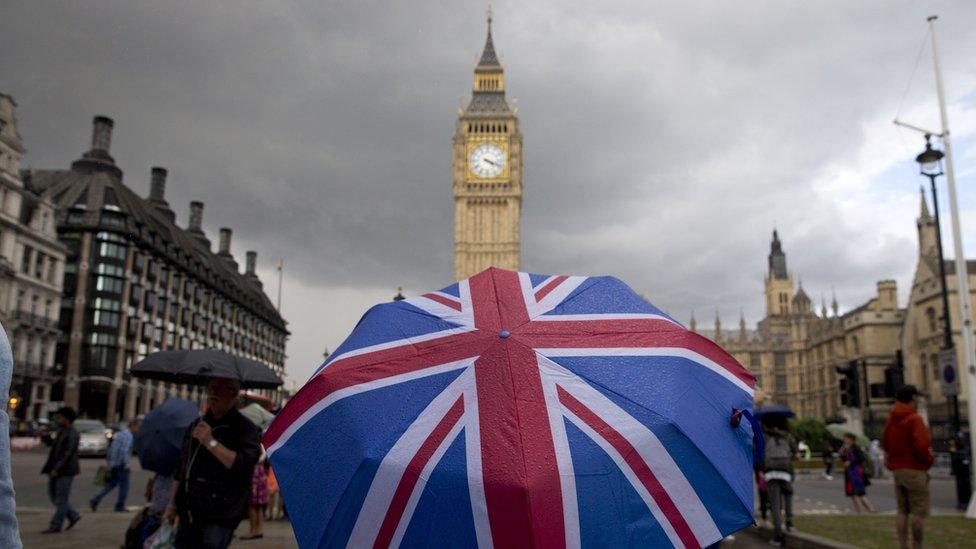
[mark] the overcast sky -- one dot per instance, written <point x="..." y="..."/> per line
<point x="662" y="143"/>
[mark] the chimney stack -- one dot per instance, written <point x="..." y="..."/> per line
<point x="225" y="234"/>
<point x="157" y="185"/>
<point x="251" y="263"/>
<point x="196" y="216"/>
<point x="102" y="133"/>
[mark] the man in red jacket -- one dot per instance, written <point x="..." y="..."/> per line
<point x="908" y="445"/>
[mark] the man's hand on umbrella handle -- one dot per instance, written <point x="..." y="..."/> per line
<point x="203" y="433"/>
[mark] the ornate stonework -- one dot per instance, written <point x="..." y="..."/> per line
<point x="487" y="174"/>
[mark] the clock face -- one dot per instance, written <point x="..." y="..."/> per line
<point x="487" y="160"/>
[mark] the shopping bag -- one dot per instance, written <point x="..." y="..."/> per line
<point x="103" y="475"/>
<point x="163" y="538"/>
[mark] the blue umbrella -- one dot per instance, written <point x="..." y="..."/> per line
<point x="161" y="435"/>
<point x="774" y="410"/>
<point x="519" y="410"/>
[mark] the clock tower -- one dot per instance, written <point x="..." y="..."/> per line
<point x="487" y="174"/>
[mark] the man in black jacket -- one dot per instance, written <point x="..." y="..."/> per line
<point x="213" y="481"/>
<point x="62" y="466"/>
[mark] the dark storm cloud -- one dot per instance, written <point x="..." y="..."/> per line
<point x="662" y="142"/>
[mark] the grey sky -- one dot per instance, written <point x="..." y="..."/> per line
<point x="662" y="143"/>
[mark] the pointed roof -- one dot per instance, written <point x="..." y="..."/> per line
<point x="777" y="259"/>
<point x="924" y="215"/>
<point x="488" y="56"/>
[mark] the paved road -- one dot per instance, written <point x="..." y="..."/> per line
<point x="31" y="486"/>
<point x="815" y="495"/>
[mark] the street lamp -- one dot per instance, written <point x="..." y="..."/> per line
<point x="930" y="165"/>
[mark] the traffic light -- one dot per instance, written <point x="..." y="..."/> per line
<point x="13" y="402"/>
<point x="894" y="376"/>
<point x="850" y="394"/>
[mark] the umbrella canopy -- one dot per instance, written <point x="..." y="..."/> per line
<point x="161" y="434"/>
<point x="838" y="430"/>
<point x="199" y="366"/>
<point x="514" y="409"/>
<point x="774" y="410"/>
<point x="257" y="414"/>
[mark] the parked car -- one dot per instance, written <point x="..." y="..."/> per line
<point x="94" y="437"/>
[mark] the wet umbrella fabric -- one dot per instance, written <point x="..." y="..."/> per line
<point x="161" y="434"/>
<point x="257" y="414"/>
<point x="838" y="430"/>
<point x="199" y="366"/>
<point x="774" y="410"/>
<point x="514" y="409"/>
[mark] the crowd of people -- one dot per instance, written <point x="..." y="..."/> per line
<point x="905" y="450"/>
<point x="223" y="477"/>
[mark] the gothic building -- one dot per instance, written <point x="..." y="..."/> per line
<point x="135" y="282"/>
<point x="794" y="351"/>
<point x="922" y="334"/>
<point x="487" y="174"/>
<point x="31" y="267"/>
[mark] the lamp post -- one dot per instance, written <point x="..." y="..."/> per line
<point x="930" y="165"/>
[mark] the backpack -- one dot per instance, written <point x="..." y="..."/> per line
<point x="779" y="457"/>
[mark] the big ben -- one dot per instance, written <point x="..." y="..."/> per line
<point x="487" y="174"/>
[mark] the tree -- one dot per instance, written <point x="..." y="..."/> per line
<point x="809" y="430"/>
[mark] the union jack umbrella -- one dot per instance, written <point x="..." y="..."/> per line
<point x="518" y="410"/>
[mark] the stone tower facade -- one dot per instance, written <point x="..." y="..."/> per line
<point x="487" y="174"/>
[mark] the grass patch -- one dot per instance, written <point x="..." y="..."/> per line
<point x="874" y="531"/>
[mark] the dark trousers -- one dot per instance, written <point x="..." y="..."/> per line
<point x="780" y="497"/>
<point x="202" y="535"/>
<point x="120" y="478"/>
<point x="59" y="490"/>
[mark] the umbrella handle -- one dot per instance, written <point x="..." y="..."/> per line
<point x="758" y="440"/>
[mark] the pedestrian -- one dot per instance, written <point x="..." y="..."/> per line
<point x="213" y="480"/>
<point x="877" y="458"/>
<point x="908" y="447"/>
<point x="274" y="496"/>
<point x="828" y="459"/>
<point x="9" y="530"/>
<point x="258" y="500"/>
<point x="855" y="476"/>
<point x="61" y="467"/>
<point x="780" y="452"/>
<point x="117" y="461"/>
<point x="763" y="493"/>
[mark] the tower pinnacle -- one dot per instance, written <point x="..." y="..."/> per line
<point x="488" y="56"/>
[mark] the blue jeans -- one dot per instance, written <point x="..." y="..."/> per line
<point x="59" y="490"/>
<point x="120" y="478"/>
<point x="9" y="533"/>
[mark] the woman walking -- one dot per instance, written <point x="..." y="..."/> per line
<point x="855" y="477"/>
<point x="258" y="500"/>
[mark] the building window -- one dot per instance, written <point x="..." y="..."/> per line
<point x="25" y="260"/>
<point x="52" y="269"/>
<point x="109" y="284"/>
<point x="780" y="383"/>
<point x="855" y="346"/>
<point x="111" y="250"/>
<point x="935" y="367"/>
<point x="105" y="318"/>
<point x="930" y="315"/>
<point x="779" y="360"/>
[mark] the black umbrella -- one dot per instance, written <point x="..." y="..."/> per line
<point x="161" y="435"/>
<point x="199" y="366"/>
<point x="771" y="410"/>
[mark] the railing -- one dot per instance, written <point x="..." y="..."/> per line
<point x="35" y="320"/>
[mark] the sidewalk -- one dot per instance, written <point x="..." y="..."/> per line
<point x="107" y="529"/>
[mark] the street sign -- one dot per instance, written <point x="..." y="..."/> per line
<point x="949" y="370"/>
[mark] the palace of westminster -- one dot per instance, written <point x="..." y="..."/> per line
<point x="793" y="351"/>
<point x="93" y="277"/>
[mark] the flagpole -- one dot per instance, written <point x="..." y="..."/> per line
<point x="281" y="265"/>
<point x="962" y="275"/>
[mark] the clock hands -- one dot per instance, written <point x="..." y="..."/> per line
<point x="490" y="162"/>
